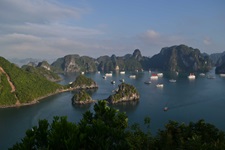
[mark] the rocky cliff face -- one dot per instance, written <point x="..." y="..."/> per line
<point x="220" y="69"/>
<point x="180" y="58"/>
<point x="217" y="58"/>
<point x="44" y="64"/>
<point x="75" y="63"/>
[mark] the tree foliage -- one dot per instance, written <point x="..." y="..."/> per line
<point x="28" y="86"/>
<point x="107" y="128"/>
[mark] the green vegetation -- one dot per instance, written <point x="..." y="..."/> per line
<point x="81" y="80"/>
<point x="50" y="75"/>
<point x="6" y="97"/>
<point x="125" y="91"/>
<point x="28" y="86"/>
<point x="107" y="128"/>
<point x="81" y="96"/>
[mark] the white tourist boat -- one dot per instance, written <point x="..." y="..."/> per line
<point x="202" y="74"/>
<point x="159" y="85"/>
<point x="122" y="72"/>
<point x="222" y="74"/>
<point x="191" y="76"/>
<point x="148" y="82"/>
<point x="165" y="108"/>
<point x="154" y="77"/>
<point x="160" y="74"/>
<point x="108" y="74"/>
<point x="113" y="82"/>
<point x="132" y="76"/>
<point x="122" y="80"/>
<point x="104" y="77"/>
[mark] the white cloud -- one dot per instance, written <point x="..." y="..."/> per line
<point x="207" y="41"/>
<point x="151" y="34"/>
<point x="36" y="11"/>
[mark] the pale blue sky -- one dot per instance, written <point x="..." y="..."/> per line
<point x="55" y="28"/>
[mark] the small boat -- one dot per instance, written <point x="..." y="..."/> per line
<point x="160" y="74"/>
<point x="202" y="74"/>
<point x="132" y="76"/>
<point x="148" y="82"/>
<point x="98" y="72"/>
<point x="70" y="83"/>
<point x="113" y="82"/>
<point x="191" y="76"/>
<point x="159" y="85"/>
<point x="154" y="77"/>
<point x="165" y="108"/>
<point x="82" y="73"/>
<point x="122" y="72"/>
<point x="104" y="77"/>
<point x="222" y="74"/>
<point x="122" y="80"/>
<point x="108" y="74"/>
<point x="173" y="80"/>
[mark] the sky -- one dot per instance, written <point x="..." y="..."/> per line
<point x="54" y="28"/>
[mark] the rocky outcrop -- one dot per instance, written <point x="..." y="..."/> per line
<point x="44" y="64"/>
<point x="83" y="82"/>
<point x="220" y="69"/>
<point x="217" y="58"/>
<point x="75" y="63"/>
<point x="180" y="58"/>
<point x="124" y="93"/>
<point x="82" y="97"/>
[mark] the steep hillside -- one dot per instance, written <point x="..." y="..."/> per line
<point x="18" y="86"/>
<point x="180" y="58"/>
<point x="217" y="58"/>
<point x="42" y="69"/>
<point x="221" y="66"/>
<point x="74" y="63"/>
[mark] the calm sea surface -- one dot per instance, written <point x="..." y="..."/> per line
<point x="187" y="101"/>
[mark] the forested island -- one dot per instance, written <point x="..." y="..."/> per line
<point x="25" y="86"/>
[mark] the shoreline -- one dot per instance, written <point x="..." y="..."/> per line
<point x="35" y="101"/>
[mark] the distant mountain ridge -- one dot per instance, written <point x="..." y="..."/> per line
<point x="175" y="58"/>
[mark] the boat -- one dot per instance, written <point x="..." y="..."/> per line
<point x="132" y="76"/>
<point x="104" y="77"/>
<point x="70" y="83"/>
<point x="108" y="74"/>
<point x="173" y="80"/>
<point x="98" y="72"/>
<point x="122" y="72"/>
<point x="113" y="82"/>
<point x="202" y="74"/>
<point x="160" y="74"/>
<point x="154" y="77"/>
<point x="148" y="82"/>
<point x="165" y="108"/>
<point x="122" y="80"/>
<point x="222" y="74"/>
<point x="82" y="73"/>
<point x="159" y="85"/>
<point x="191" y="76"/>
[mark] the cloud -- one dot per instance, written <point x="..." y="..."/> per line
<point x="38" y="11"/>
<point x="151" y="34"/>
<point x="207" y="41"/>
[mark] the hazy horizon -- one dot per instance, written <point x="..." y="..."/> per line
<point x="47" y="29"/>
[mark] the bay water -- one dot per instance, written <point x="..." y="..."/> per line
<point x="187" y="100"/>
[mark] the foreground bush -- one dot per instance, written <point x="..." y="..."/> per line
<point x="108" y="128"/>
